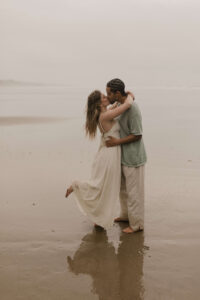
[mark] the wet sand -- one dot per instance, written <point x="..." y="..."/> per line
<point x="10" y="121"/>
<point x="49" y="250"/>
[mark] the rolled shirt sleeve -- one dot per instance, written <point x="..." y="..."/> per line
<point x="133" y="154"/>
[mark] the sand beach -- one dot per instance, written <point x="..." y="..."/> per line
<point x="48" y="249"/>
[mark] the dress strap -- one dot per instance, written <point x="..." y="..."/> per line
<point x="101" y="127"/>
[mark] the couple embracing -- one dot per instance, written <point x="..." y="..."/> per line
<point x="118" y="168"/>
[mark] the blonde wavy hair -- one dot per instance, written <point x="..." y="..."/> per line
<point x="93" y="111"/>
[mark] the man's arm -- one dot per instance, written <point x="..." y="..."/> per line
<point x="126" y="140"/>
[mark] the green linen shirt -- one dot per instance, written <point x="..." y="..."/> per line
<point x="133" y="154"/>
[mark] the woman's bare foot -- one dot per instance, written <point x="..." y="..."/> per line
<point x="120" y="220"/>
<point x="98" y="227"/>
<point x="69" y="191"/>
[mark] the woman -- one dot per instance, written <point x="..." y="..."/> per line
<point x="98" y="197"/>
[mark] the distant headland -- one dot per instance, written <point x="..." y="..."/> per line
<point x="10" y="82"/>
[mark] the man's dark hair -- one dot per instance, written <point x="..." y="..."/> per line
<point x="117" y="85"/>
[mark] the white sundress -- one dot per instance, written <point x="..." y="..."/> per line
<point x="98" y="197"/>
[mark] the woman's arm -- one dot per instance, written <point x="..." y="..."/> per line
<point x="116" y="104"/>
<point x="111" y="114"/>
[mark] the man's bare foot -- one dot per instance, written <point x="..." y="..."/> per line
<point x="69" y="191"/>
<point x="120" y="220"/>
<point x="130" y="230"/>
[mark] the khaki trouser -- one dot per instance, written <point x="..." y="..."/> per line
<point x="132" y="196"/>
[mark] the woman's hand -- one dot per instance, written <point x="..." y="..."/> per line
<point x="113" y="106"/>
<point x="129" y="100"/>
<point x="131" y="94"/>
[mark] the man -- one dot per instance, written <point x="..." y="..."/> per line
<point x="133" y="159"/>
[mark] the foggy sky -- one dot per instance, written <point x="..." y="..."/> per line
<point x="87" y="42"/>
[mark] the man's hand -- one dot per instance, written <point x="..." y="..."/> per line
<point x="112" y="142"/>
<point x="126" y="140"/>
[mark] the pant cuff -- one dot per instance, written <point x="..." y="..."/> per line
<point x="137" y="227"/>
<point x="125" y="217"/>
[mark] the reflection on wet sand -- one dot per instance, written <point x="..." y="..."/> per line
<point x="115" y="275"/>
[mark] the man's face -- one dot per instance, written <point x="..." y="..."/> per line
<point x="110" y="95"/>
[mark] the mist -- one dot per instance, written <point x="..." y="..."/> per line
<point x="86" y="43"/>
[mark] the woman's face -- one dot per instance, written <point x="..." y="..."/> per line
<point x="104" y="100"/>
